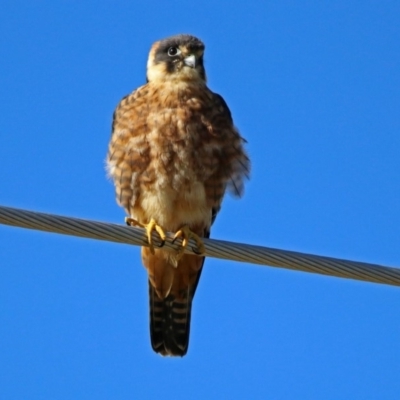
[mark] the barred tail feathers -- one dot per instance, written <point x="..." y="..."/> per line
<point x="171" y="291"/>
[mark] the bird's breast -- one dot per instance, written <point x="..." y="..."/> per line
<point x="178" y="150"/>
<point x="179" y="146"/>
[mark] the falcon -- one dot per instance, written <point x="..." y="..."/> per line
<point x="174" y="152"/>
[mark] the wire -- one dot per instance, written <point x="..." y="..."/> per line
<point x="214" y="248"/>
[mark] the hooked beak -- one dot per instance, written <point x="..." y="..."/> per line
<point x="190" y="61"/>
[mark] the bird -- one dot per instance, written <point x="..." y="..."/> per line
<point x="173" y="154"/>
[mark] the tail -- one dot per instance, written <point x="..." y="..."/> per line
<point x="170" y="323"/>
<point x="171" y="292"/>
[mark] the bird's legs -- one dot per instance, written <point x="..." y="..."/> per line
<point x="186" y="234"/>
<point x="150" y="227"/>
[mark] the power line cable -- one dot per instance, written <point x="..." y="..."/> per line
<point x="214" y="248"/>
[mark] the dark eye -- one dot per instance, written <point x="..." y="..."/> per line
<point x="173" y="51"/>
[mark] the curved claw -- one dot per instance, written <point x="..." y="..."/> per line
<point x="186" y="234"/>
<point x="150" y="227"/>
<point x="160" y="232"/>
<point x="197" y="252"/>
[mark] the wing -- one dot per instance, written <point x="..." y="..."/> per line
<point x="230" y="158"/>
<point x="129" y="151"/>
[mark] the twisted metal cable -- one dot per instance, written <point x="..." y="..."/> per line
<point x="214" y="248"/>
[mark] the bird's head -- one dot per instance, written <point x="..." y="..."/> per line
<point x="177" y="58"/>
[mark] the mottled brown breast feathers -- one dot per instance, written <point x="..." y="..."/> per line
<point x="170" y="138"/>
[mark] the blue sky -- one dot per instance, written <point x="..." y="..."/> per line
<point x="314" y="86"/>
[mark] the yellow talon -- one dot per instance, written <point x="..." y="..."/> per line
<point x="150" y="227"/>
<point x="186" y="234"/>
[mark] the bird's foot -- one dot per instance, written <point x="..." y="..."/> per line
<point x="186" y="234"/>
<point x="150" y="227"/>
